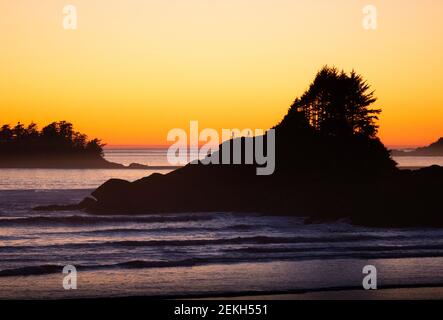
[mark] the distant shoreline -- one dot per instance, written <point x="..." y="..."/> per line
<point x="413" y="154"/>
<point x="433" y="150"/>
<point x="64" y="162"/>
<point x="93" y="168"/>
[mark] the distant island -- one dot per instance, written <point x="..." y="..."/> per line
<point x="433" y="150"/>
<point x="56" y="145"/>
<point x="329" y="165"/>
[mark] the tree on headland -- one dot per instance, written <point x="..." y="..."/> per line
<point x="56" y="138"/>
<point x="336" y="104"/>
<point x="333" y="125"/>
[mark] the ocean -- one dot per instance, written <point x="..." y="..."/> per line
<point x="189" y="254"/>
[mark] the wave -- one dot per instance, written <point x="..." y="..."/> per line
<point x="191" y="262"/>
<point x="88" y="220"/>
<point x="135" y="264"/>
<point x="371" y="250"/>
<point x="165" y="243"/>
<point x="182" y="243"/>
<point x="334" y="253"/>
<point x="128" y="231"/>
<point x="255" y="240"/>
<point x="31" y="271"/>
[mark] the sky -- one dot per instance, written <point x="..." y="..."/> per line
<point x="133" y="69"/>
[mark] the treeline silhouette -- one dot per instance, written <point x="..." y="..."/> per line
<point x="57" y="138"/>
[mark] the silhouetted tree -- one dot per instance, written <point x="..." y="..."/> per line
<point x="95" y="146"/>
<point x="19" y="131"/>
<point x="336" y="104"/>
<point x="32" y="131"/>
<point x="55" y="138"/>
<point x="79" y="140"/>
<point x="332" y="126"/>
<point x="6" y="134"/>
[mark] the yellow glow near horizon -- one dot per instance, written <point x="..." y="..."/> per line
<point x="136" y="69"/>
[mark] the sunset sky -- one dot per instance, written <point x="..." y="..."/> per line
<point x="136" y="69"/>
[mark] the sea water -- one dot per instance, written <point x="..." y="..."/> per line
<point x="188" y="254"/>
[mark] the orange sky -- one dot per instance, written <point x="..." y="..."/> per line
<point x="135" y="69"/>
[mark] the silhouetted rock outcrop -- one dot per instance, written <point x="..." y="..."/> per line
<point x="405" y="198"/>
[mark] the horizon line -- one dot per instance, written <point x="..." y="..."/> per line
<point x="166" y="146"/>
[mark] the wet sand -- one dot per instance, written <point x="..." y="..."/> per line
<point x="426" y="293"/>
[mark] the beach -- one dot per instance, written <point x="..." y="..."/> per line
<point x="423" y="293"/>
